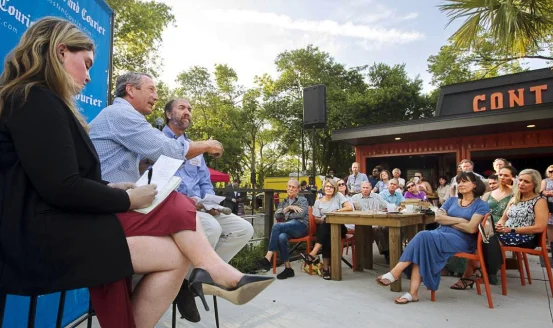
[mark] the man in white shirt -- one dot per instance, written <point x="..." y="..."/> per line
<point x="397" y="175"/>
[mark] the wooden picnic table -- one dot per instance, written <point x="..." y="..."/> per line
<point x="364" y="221"/>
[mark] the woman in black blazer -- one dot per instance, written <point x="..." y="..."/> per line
<point x="57" y="227"/>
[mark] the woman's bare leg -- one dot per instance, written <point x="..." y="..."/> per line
<point x="197" y="249"/>
<point x="414" y="285"/>
<point x="316" y="249"/>
<point x="164" y="267"/>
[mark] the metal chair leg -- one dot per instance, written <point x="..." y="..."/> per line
<point x="2" y="308"/>
<point x="90" y="314"/>
<point x="32" y="312"/>
<point x="216" y="311"/>
<point x="61" y="307"/>
<point x="174" y="315"/>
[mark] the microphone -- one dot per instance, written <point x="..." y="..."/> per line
<point x="159" y="123"/>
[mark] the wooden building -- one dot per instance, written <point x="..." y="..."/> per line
<point x="507" y="117"/>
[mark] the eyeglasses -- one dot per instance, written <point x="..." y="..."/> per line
<point x="409" y="186"/>
<point x="343" y="184"/>
<point x="550" y="171"/>
<point x="418" y="176"/>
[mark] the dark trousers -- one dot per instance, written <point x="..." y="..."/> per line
<point x="323" y="237"/>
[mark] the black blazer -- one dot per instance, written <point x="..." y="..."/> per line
<point x="57" y="227"/>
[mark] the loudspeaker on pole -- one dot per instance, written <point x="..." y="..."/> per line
<point x="314" y="106"/>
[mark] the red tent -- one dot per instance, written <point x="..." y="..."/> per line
<point x="217" y="176"/>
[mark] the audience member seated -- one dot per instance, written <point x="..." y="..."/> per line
<point x="497" y="201"/>
<point x="547" y="191"/>
<point x="393" y="195"/>
<point x="397" y="175"/>
<point x="292" y="222"/>
<point x="427" y="253"/>
<point x="382" y="184"/>
<point x="499" y="163"/>
<point x="443" y="190"/>
<point x="422" y="184"/>
<point x="371" y="202"/>
<point x="332" y="201"/>
<point x="343" y="189"/>
<point x="526" y="213"/>
<point x="355" y="179"/>
<point x="375" y="176"/>
<point x="492" y="182"/>
<point x="413" y="192"/>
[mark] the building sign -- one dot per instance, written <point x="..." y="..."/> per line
<point x="92" y="16"/>
<point x="515" y="91"/>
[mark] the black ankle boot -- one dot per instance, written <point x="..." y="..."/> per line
<point x="186" y="304"/>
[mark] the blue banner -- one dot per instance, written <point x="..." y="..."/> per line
<point x="92" y="16"/>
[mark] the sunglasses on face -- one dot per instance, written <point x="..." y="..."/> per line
<point x="341" y="184"/>
<point x="409" y="186"/>
<point x="550" y="171"/>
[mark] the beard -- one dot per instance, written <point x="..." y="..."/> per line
<point x="181" y="123"/>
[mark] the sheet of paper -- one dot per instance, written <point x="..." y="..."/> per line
<point x="162" y="171"/>
<point x="211" y="201"/>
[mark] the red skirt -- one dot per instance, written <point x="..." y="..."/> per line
<point x="112" y="301"/>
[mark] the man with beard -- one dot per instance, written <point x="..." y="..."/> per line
<point x="227" y="233"/>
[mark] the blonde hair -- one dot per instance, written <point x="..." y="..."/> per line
<point x="546" y="174"/>
<point x="34" y="62"/>
<point x="536" y="179"/>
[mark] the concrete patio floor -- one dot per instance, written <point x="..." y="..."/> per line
<point x="357" y="301"/>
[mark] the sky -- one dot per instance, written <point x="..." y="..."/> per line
<point x="247" y="35"/>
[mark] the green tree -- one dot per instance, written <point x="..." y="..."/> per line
<point x="138" y="34"/>
<point x="519" y="28"/>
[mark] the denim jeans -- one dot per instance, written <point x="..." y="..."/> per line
<point x="281" y="232"/>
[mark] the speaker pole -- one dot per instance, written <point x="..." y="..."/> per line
<point x="314" y="145"/>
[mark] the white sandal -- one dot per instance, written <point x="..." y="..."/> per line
<point x="388" y="276"/>
<point x="407" y="296"/>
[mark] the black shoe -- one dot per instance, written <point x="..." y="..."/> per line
<point x="186" y="304"/>
<point x="248" y="287"/>
<point x="286" y="273"/>
<point x="264" y="264"/>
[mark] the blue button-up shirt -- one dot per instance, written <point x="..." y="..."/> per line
<point x="194" y="174"/>
<point x="122" y="136"/>
<point x="396" y="198"/>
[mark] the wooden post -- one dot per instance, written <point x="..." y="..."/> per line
<point x="368" y="256"/>
<point x="336" y="247"/>
<point x="269" y="214"/>
<point x="395" y="251"/>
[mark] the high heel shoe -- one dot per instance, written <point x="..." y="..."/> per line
<point x="200" y="283"/>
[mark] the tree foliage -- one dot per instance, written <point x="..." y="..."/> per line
<point x="138" y="34"/>
<point x="520" y="28"/>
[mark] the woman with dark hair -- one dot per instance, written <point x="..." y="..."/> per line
<point x="443" y="189"/>
<point x="427" y="253"/>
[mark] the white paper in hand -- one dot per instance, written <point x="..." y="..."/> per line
<point x="211" y="201"/>
<point x="163" y="173"/>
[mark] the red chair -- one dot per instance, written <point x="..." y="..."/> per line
<point x="520" y="254"/>
<point x="311" y="236"/>
<point x="349" y="241"/>
<point x="478" y="256"/>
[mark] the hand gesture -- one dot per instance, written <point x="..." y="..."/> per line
<point x="143" y="196"/>
<point x="295" y="209"/>
<point x="216" y="149"/>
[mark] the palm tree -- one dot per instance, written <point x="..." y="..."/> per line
<point x="518" y="27"/>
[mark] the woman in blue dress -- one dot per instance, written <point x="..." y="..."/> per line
<point x="426" y="255"/>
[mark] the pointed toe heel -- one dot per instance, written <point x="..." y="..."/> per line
<point x="247" y="288"/>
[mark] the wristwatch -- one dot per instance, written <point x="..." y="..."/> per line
<point x="513" y="230"/>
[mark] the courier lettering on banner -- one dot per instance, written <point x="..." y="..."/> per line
<point x="92" y="16"/>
